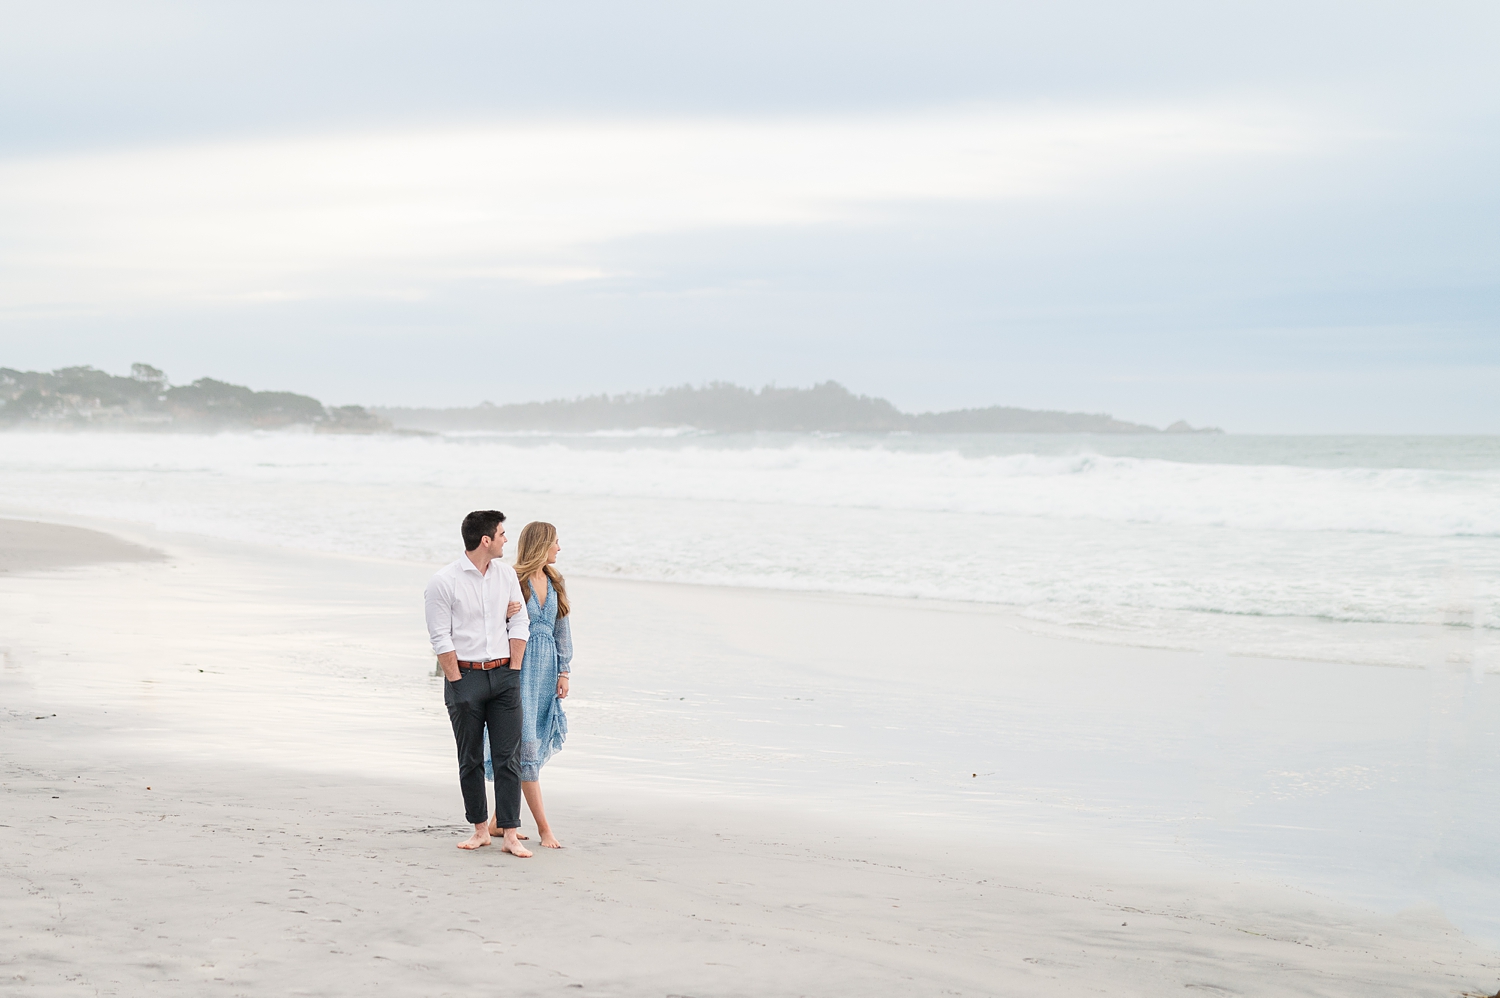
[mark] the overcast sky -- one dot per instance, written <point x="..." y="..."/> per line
<point x="1266" y="216"/>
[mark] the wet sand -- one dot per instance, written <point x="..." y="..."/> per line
<point x="297" y="834"/>
<point x="29" y="545"/>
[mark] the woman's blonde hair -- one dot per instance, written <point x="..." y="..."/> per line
<point x="531" y="554"/>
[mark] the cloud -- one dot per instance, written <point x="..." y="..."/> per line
<point x="395" y="213"/>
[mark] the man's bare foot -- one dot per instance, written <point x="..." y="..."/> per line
<point x="480" y="838"/>
<point x="512" y="844"/>
<point x="549" y="840"/>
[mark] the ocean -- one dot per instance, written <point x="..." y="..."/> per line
<point x="1371" y="550"/>
<point x="1338" y="736"/>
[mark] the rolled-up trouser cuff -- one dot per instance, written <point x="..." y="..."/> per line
<point x="487" y="700"/>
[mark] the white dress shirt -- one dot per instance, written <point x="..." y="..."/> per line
<point x="466" y="611"/>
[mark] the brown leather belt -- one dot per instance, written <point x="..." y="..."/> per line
<point x="493" y="663"/>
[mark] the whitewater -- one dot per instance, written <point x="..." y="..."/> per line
<point x="1383" y="551"/>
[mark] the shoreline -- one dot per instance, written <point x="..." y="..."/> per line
<point x="39" y="545"/>
<point x="148" y="539"/>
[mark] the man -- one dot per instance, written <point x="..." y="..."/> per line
<point x="480" y="653"/>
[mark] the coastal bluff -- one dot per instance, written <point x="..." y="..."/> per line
<point x="88" y="398"/>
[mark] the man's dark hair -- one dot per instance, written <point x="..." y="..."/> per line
<point x="480" y="524"/>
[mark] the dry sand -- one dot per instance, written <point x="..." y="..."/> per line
<point x="146" y="846"/>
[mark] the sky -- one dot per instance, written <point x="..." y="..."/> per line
<point x="1270" y="217"/>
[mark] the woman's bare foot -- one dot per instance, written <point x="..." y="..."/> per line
<point x="497" y="831"/>
<point x="532" y="791"/>
<point x="512" y="844"/>
<point x="480" y="838"/>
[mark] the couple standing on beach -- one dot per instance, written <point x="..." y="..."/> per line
<point x="504" y="645"/>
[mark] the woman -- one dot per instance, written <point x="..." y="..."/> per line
<point x="545" y="669"/>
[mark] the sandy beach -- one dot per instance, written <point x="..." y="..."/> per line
<point x="226" y="770"/>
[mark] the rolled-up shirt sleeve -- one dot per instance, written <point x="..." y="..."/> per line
<point x="439" y="606"/>
<point x="517" y="628"/>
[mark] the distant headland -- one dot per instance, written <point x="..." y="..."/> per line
<point x="87" y="398"/>
<point x="727" y="408"/>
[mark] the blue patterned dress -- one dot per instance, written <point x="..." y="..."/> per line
<point x="549" y="651"/>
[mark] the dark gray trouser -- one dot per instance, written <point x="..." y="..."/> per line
<point x="490" y="698"/>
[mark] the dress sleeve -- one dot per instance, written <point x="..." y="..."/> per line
<point x="562" y="636"/>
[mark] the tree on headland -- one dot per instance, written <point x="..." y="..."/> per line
<point x="148" y="375"/>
